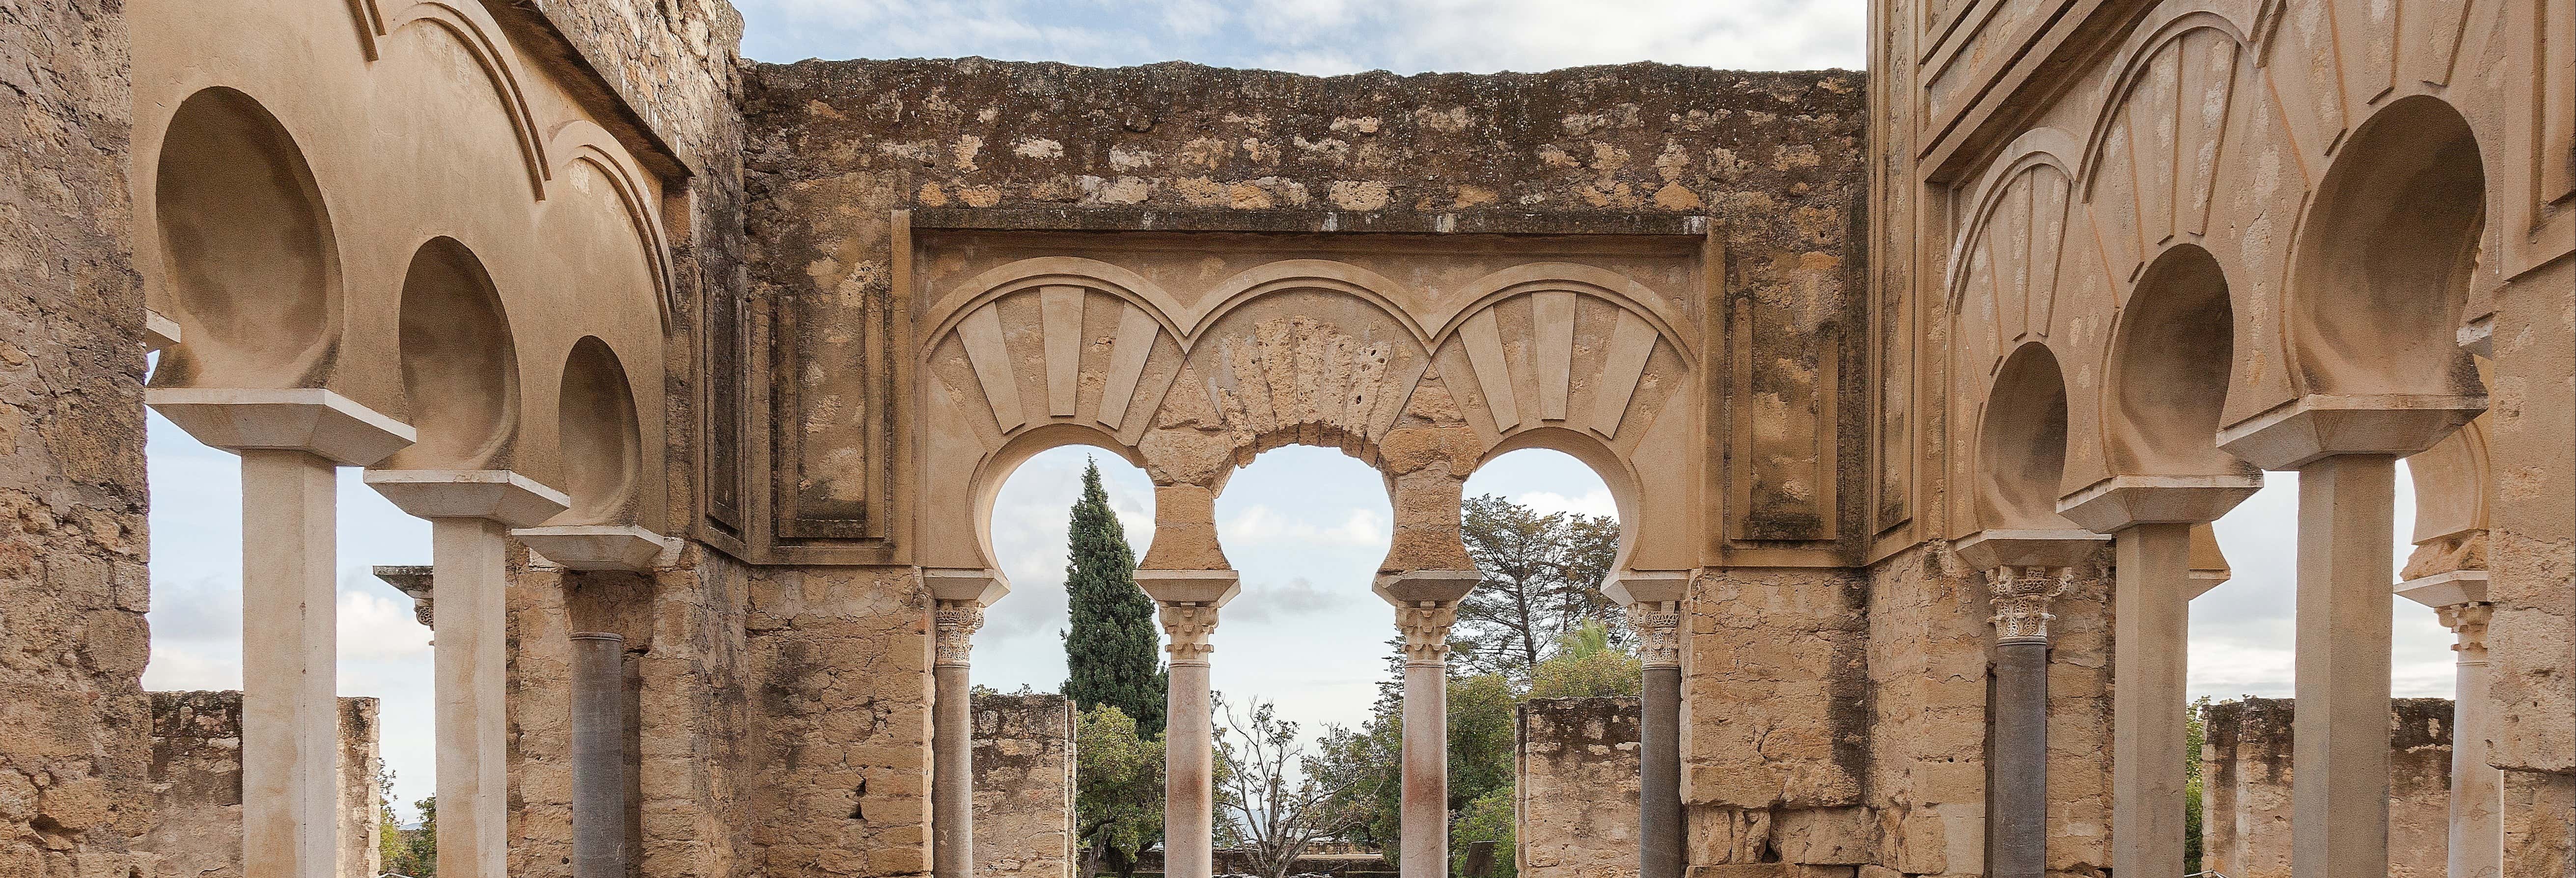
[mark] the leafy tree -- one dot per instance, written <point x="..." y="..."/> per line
<point x="391" y="842"/>
<point x="1113" y="651"/>
<point x="1585" y="665"/>
<point x="1488" y="818"/>
<point x="1275" y="798"/>
<point x="2195" y="734"/>
<point x="1542" y="578"/>
<point x="1118" y="789"/>
<point x="417" y="854"/>
<point x="1483" y="728"/>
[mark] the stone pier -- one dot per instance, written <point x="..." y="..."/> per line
<point x="1024" y="824"/>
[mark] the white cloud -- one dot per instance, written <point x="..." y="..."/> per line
<point x="1597" y="502"/>
<point x="1259" y="524"/>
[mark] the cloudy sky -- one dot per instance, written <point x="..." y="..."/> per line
<point x="1305" y="526"/>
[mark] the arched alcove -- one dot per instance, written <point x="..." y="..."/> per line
<point x="602" y="444"/>
<point x="2383" y="262"/>
<point x="459" y="369"/>
<point x="2021" y="449"/>
<point x="2169" y="369"/>
<point x="248" y="259"/>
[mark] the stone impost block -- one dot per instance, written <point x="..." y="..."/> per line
<point x="971" y="585"/>
<point x="1210" y="587"/>
<point x="600" y="546"/>
<point x="2208" y="562"/>
<point x="1648" y="586"/>
<point x="493" y="494"/>
<point x="2446" y="589"/>
<point x="2120" y="501"/>
<point x="2316" y="426"/>
<point x="413" y="580"/>
<point x="159" y="333"/>
<point x="1412" y="588"/>
<point x="1989" y="549"/>
<point x="307" y="419"/>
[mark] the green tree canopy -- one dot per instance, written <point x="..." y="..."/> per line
<point x="1118" y="788"/>
<point x="1542" y="578"/>
<point x="1113" y="650"/>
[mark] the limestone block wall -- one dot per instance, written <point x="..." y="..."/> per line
<point x="75" y="744"/>
<point x="197" y="784"/>
<point x="1024" y="825"/>
<point x="2245" y="787"/>
<point x="1575" y="788"/>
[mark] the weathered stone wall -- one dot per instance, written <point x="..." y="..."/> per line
<point x="1024" y="786"/>
<point x="75" y="744"/>
<point x="197" y="784"/>
<point x="1575" y="788"/>
<point x="2246" y="776"/>
<point x="838" y="742"/>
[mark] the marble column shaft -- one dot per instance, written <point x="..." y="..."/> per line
<point x="290" y="665"/>
<point x="1424" y="812"/>
<point x="1659" y="767"/>
<point x="2477" y="788"/>
<point x="2019" y="798"/>
<point x="2151" y="615"/>
<point x="470" y="589"/>
<point x="1189" y="744"/>
<point x="952" y="740"/>
<point x="598" y="755"/>
<point x="2339" y="752"/>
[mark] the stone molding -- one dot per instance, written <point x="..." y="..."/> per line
<point x="1426" y="631"/>
<point x="2021" y="597"/>
<point x="1658" y="626"/>
<point x="2469" y="622"/>
<point x="957" y="621"/>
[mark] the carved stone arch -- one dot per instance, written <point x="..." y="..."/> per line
<point x="1001" y="280"/>
<point x="601" y="438"/>
<point x="2168" y="369"/>
<point x="2038" y="149"/>
<point x="1544" y="351"/>
<point x="250" y="261"/>
<point x="583" y="141"/>
<point x="459" y="364"/>
<point x="474" y="29"/>
<point x="2017" y="470"/>
<point x="2152" y="160"/>
<point x="996" y="467"/>
<point x="1289" y="274"/>
<point x="1032" y="346"/>
<point x="1611" y="286"/>
<point x="1628" y="490"/>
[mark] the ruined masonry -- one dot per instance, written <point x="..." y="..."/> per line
<point x="1917" y="391"/>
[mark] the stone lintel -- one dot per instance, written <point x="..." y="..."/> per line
<point x="2318" y="425"/>
<point x="498" y="495"/>
<point x="965" y="585"/>
<point x="1990" y="549"/>
<point x="1100" y="218"/>
<point x="2209" y="567"/>
<point x="599" y="546"/>
<point x="1648" y="586"/>
<point x="308" y="419"/>
<point x="159" y="333"/>
<point x="1415" y="587"/>
<point x="2446" y="589"/>
<point x="2117" y="502"/>
<point x="1209" y="587"/>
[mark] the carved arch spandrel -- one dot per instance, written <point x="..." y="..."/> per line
<point x="481" y="36"/>
<point x="2153" y="160"/>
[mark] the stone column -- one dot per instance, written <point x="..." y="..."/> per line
<point x="2156" y="521"/>
<point x="1426" y="604"/>
<point x="1654" y="604"/>
<point x="958" y="598"/>
<point x="2025" y="570"/>
<point x="470" y="513"/>
<point x="952" y="741"/>
<point x="1189" y="600"/>
<point x="2477" y="788"/>
<point x="2339" y="745"/>
<point x="2345" y="449"/>
<point x="2019" y="799"/>
<point x="598" y="755"/>
<point x="291" y="442"/>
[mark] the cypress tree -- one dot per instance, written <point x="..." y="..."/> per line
<point x="1112" y="650"/>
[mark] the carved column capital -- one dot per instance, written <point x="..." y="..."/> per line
<point x="2469" y="622"/>
<point x="957" y="621"/>
<point x="1425" y="626"/>
<point x="2021" y="596"/>
<point x="1190" y="625"/>
<point x="1659" y="632"/>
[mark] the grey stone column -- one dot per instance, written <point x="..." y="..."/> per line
<point x="2018" y="802"/>
<point x="1189" y="745"/>
<point x="598" y="755"/>
<point x="1424" y="839"/>
<point x="1659" y="740"/>
<point x="952" y="741"/>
